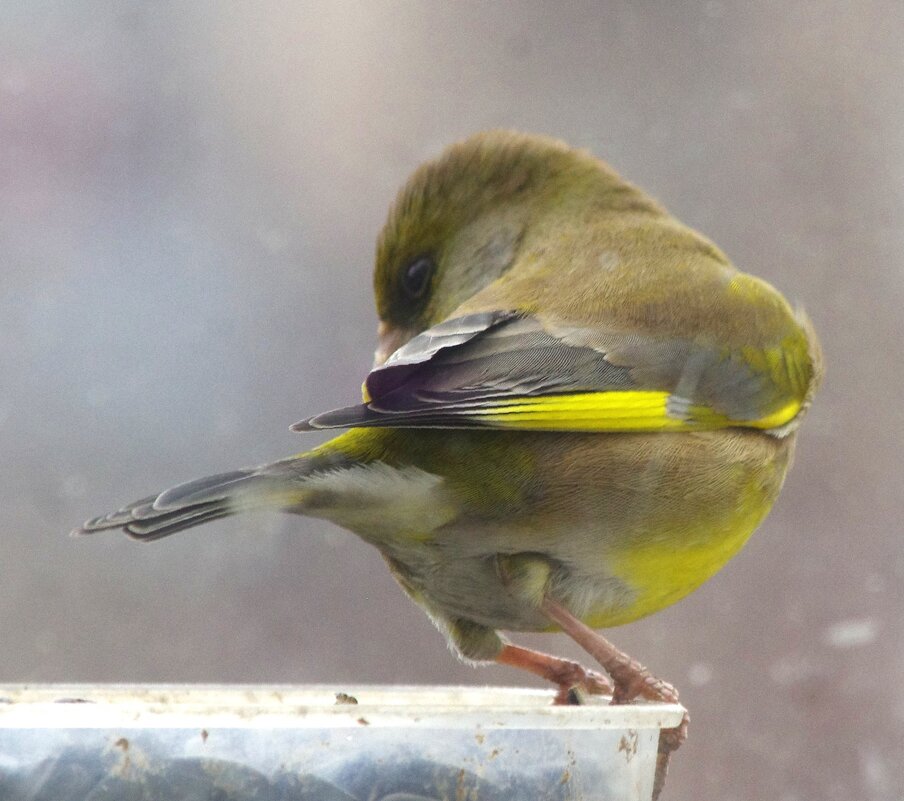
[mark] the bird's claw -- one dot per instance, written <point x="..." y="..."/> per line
<point x="642" y="684"/>
<point x="583" y="683"/>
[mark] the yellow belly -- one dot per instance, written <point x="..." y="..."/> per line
<point x="662" y="574"/>
<point x="673" y="557"/>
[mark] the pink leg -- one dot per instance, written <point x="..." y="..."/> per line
<point x="568" y="676"/>
<point x="632" y="680"/>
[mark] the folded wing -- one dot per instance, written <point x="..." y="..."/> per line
<point x="509" y="370"/>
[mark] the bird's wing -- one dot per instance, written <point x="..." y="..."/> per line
<point x="509" y="370"/>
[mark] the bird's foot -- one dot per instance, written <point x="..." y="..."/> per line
<point x="572" y="678"/>
<point x="632" y="680"/>
<point x="579" y="684"/>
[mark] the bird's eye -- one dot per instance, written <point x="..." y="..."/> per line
<point x="417" y="277"/>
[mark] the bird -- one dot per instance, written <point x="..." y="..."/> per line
<point x="579" y="411"/>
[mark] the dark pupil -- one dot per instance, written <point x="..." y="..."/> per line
<point x="417" y="275"/>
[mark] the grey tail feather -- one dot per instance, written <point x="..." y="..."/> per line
<point x="182" y="507"/>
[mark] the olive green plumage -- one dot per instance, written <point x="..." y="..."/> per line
<point x="575" y="396"/>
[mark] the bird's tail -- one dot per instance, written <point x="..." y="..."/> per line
<point x="279" y="485"/>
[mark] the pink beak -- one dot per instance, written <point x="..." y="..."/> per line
<point x="389" y="340"/>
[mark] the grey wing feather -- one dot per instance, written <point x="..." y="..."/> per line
<point x="454" y="368"/>
<point x="692" y="371"/>
<point x="426" y="346"/>
<point x="467" y="364"/>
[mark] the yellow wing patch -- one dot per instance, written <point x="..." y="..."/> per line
<point x="615" y="411"/>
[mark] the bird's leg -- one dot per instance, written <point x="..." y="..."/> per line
<point x="481" y="644"/>
<point x="570" y="677"/>
<point x="631" y="679"/>
<point x="526" y="576"/>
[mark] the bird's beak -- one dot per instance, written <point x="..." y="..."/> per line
<point x="389" y="339"/>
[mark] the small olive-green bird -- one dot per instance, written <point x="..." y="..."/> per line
<point x="579" y="410"/>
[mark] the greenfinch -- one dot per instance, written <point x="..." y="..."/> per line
<point x="579" y="410"/>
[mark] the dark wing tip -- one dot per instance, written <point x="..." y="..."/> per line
<point x="347" y="417"/>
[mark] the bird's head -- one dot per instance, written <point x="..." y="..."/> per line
<point x="460" y="221"/>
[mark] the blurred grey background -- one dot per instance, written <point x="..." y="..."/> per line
<point x="189" y="197"/>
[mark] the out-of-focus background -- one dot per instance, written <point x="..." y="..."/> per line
<point x="189" y="197"/>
